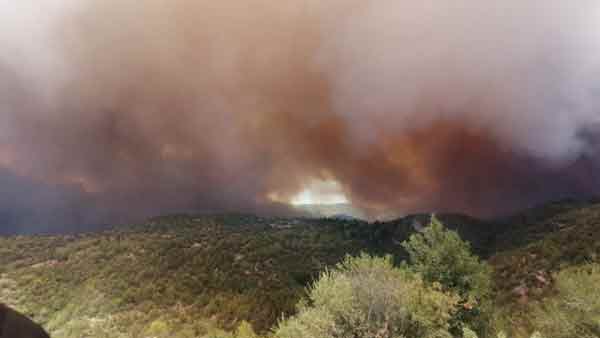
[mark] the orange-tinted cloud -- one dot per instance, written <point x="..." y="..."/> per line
<point x="127" y="109"/>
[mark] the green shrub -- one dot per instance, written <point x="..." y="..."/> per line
<point x="468" y="333"/>
<point x="575" y="310"/>
<point x="245" y="330"/>
<point x="441" y="256"/>
<point x="366" y="297"/>
<point x="158" y="328"/>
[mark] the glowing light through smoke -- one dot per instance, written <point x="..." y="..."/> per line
<point x="321" y="192"/>
<point x="122" y="109"/>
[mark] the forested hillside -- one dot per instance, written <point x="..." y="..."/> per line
<point x="194" y="276"/>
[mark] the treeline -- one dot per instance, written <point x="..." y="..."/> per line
<point x="443" y="291"/>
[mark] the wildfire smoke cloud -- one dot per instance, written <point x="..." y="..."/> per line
<point x="118" y="109"/>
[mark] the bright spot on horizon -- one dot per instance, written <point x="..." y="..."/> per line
<point x="321" y="192"/>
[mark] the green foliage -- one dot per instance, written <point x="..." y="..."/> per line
<point x="441" y="256"/>
<point x="193" y="273"/>
<point x="468" y="333"/>
<point x="575" y="310"/>
<point x="557" y="237"/>
<point x="245" y="330"/>
<point x="554" y="240"/>
<point x="158" y="328"/>
<point x="366" y="297"/>
<point x="224" y="276"/>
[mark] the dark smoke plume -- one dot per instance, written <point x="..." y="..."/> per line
<point x="114" y="110"/>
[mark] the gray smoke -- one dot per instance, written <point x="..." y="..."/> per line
<point x="113" y="110"/>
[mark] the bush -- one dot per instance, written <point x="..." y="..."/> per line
<point x="366" y="297"/>
<point x="158" y="328"/>
<point x="441" y="256"/>
<point x="468" y="333"/>
<point x="245" y="330"/>
<point x="575" y="310"/>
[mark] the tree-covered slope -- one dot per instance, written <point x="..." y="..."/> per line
<point x="184" y="276"/>
<point x="551" y="241"/>
<point x="179" y="270"/>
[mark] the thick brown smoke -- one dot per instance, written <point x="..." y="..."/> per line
<point x="111" y="110"/>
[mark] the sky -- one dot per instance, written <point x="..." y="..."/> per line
<point x="112" y="111"/>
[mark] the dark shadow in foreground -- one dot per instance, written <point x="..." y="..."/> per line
<point x="16" y="325"/>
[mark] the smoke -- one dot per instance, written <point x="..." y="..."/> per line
<point x="113" y="110"/>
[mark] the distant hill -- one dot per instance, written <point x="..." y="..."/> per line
<point x="193" y="274"/>
<point x="342" y="211"/>
<point x="544" y="240"/>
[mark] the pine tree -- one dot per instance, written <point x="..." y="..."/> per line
<point x="440" y="256"/>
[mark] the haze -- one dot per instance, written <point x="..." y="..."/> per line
<point x="115" y="110"/>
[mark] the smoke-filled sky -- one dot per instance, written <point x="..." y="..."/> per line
<point x="118" y="109"/>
